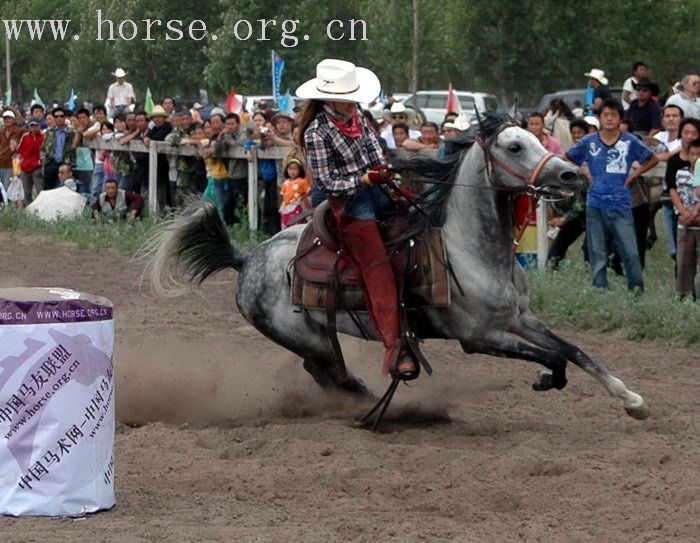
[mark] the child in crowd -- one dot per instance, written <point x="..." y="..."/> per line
<point x="15" y="189"/>
<point x="400" y="133"/>
<point x="295" y="191"/>
<point x="686" y="200"/>
<point x="105" y="155"/>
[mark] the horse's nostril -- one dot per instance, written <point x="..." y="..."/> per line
<point x="568" y="176"/>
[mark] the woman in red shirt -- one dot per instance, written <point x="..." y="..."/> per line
<point x="29" y="151"/>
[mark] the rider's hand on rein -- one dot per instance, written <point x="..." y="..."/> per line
<point x="380" y="175"/>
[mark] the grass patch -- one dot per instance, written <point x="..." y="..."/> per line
<point x="562" y="298"/>
<point x="565" y="298"/>
<point x="88" y="234"/>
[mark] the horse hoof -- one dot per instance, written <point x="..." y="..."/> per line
<point x="639" y="412"/>
<point x="544" y="381"/>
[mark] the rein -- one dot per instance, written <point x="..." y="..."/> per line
<point x="529" y="188"/>
<point x="530" y="184"/>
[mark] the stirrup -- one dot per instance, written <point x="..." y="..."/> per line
<point x="404" y="359"/>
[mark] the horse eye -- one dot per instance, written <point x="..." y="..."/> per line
<point x="515" y="148"/>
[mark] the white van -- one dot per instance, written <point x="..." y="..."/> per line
<point x="433" y="104"/>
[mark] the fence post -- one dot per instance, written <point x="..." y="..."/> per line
<point x="153" y="180"/>
<point x="253" y="192"/>
<point x="542" y="239"/>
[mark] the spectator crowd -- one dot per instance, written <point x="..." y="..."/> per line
<point x="615" y="140"/>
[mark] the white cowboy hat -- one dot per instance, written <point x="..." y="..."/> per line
<point x="340" y="81"/>
<point x="119" y="73"/>
<point x="461" y="123"/>
<point x="598" y="74"/>
<point x="399" y="108"/>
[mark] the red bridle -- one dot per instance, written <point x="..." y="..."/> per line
<point x="528" y="187"/>
<point x="530" y="181"/>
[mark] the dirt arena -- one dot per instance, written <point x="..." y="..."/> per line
<point x="224" y="437"/>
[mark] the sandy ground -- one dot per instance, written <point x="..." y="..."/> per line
<point x="224" y="437"/>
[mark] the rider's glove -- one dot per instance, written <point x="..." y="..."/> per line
<point x="380" y="175"/>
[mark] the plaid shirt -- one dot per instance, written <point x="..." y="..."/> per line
<point x="337" y="161"/>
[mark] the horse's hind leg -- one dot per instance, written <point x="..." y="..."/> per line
<point x="531" y="329"/>
<point x="330" y="376"/>
<point x="309" y="340"/>
<point x="507" y="346"/>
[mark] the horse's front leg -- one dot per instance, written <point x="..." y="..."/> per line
<point x="533" y="330"/>
<point x="505" y="345"/>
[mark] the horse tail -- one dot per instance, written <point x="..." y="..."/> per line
<point x="187" y="249"/>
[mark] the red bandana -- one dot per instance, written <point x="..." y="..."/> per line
<point x="351" y="127"/>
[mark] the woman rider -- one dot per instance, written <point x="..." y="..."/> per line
<point x="346" y="161"/>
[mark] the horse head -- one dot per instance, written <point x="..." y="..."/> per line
<point x="516" y="160"/>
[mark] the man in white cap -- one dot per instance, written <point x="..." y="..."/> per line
<point x="597" y="88"/>
<point x="347" y="164"/>
<point x="120" y="94"/>
<point x="398" y="113"/>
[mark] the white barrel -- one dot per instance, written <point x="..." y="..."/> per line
<point x="56" y="402"/>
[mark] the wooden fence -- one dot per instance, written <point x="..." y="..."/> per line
<point x="159" y="147"/>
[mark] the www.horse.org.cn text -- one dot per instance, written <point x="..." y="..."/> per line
<point x="287" y="32"/>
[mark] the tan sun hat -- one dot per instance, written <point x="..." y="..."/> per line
<point x="158" y="111"/>
<point x="598" y="74"/>
<point x="119" y="73"/>
<point x="340" y="81"/>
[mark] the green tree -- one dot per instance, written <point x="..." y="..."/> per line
<point x="509" y="48"/>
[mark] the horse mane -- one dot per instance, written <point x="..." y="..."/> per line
<point x="433" y="200"/>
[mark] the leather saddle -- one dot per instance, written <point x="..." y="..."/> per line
<point x="319" y="267"/>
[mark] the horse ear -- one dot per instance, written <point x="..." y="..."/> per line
<point x="478" y="118"/>
<point x="513" y="111"/>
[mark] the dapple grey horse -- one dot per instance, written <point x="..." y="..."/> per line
<point x="472" y="200"/>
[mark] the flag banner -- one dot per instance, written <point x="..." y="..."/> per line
<point x="148" y="104"/>
<point x="277" y="68"/>
<point x="37" y="99"/>
<point x="72" y="100"/>
<point x="234" y="102"/>
<point x="286" y="103"/>
<point x="453" y="104"/>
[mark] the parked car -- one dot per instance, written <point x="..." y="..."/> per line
<point x="571" y="97"/>
<point x="433" y="103"/>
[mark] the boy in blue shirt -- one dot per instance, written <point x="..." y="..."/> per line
<point x="609" y="155"/>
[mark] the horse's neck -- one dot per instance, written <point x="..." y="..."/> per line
<point x="480" y="220"/>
